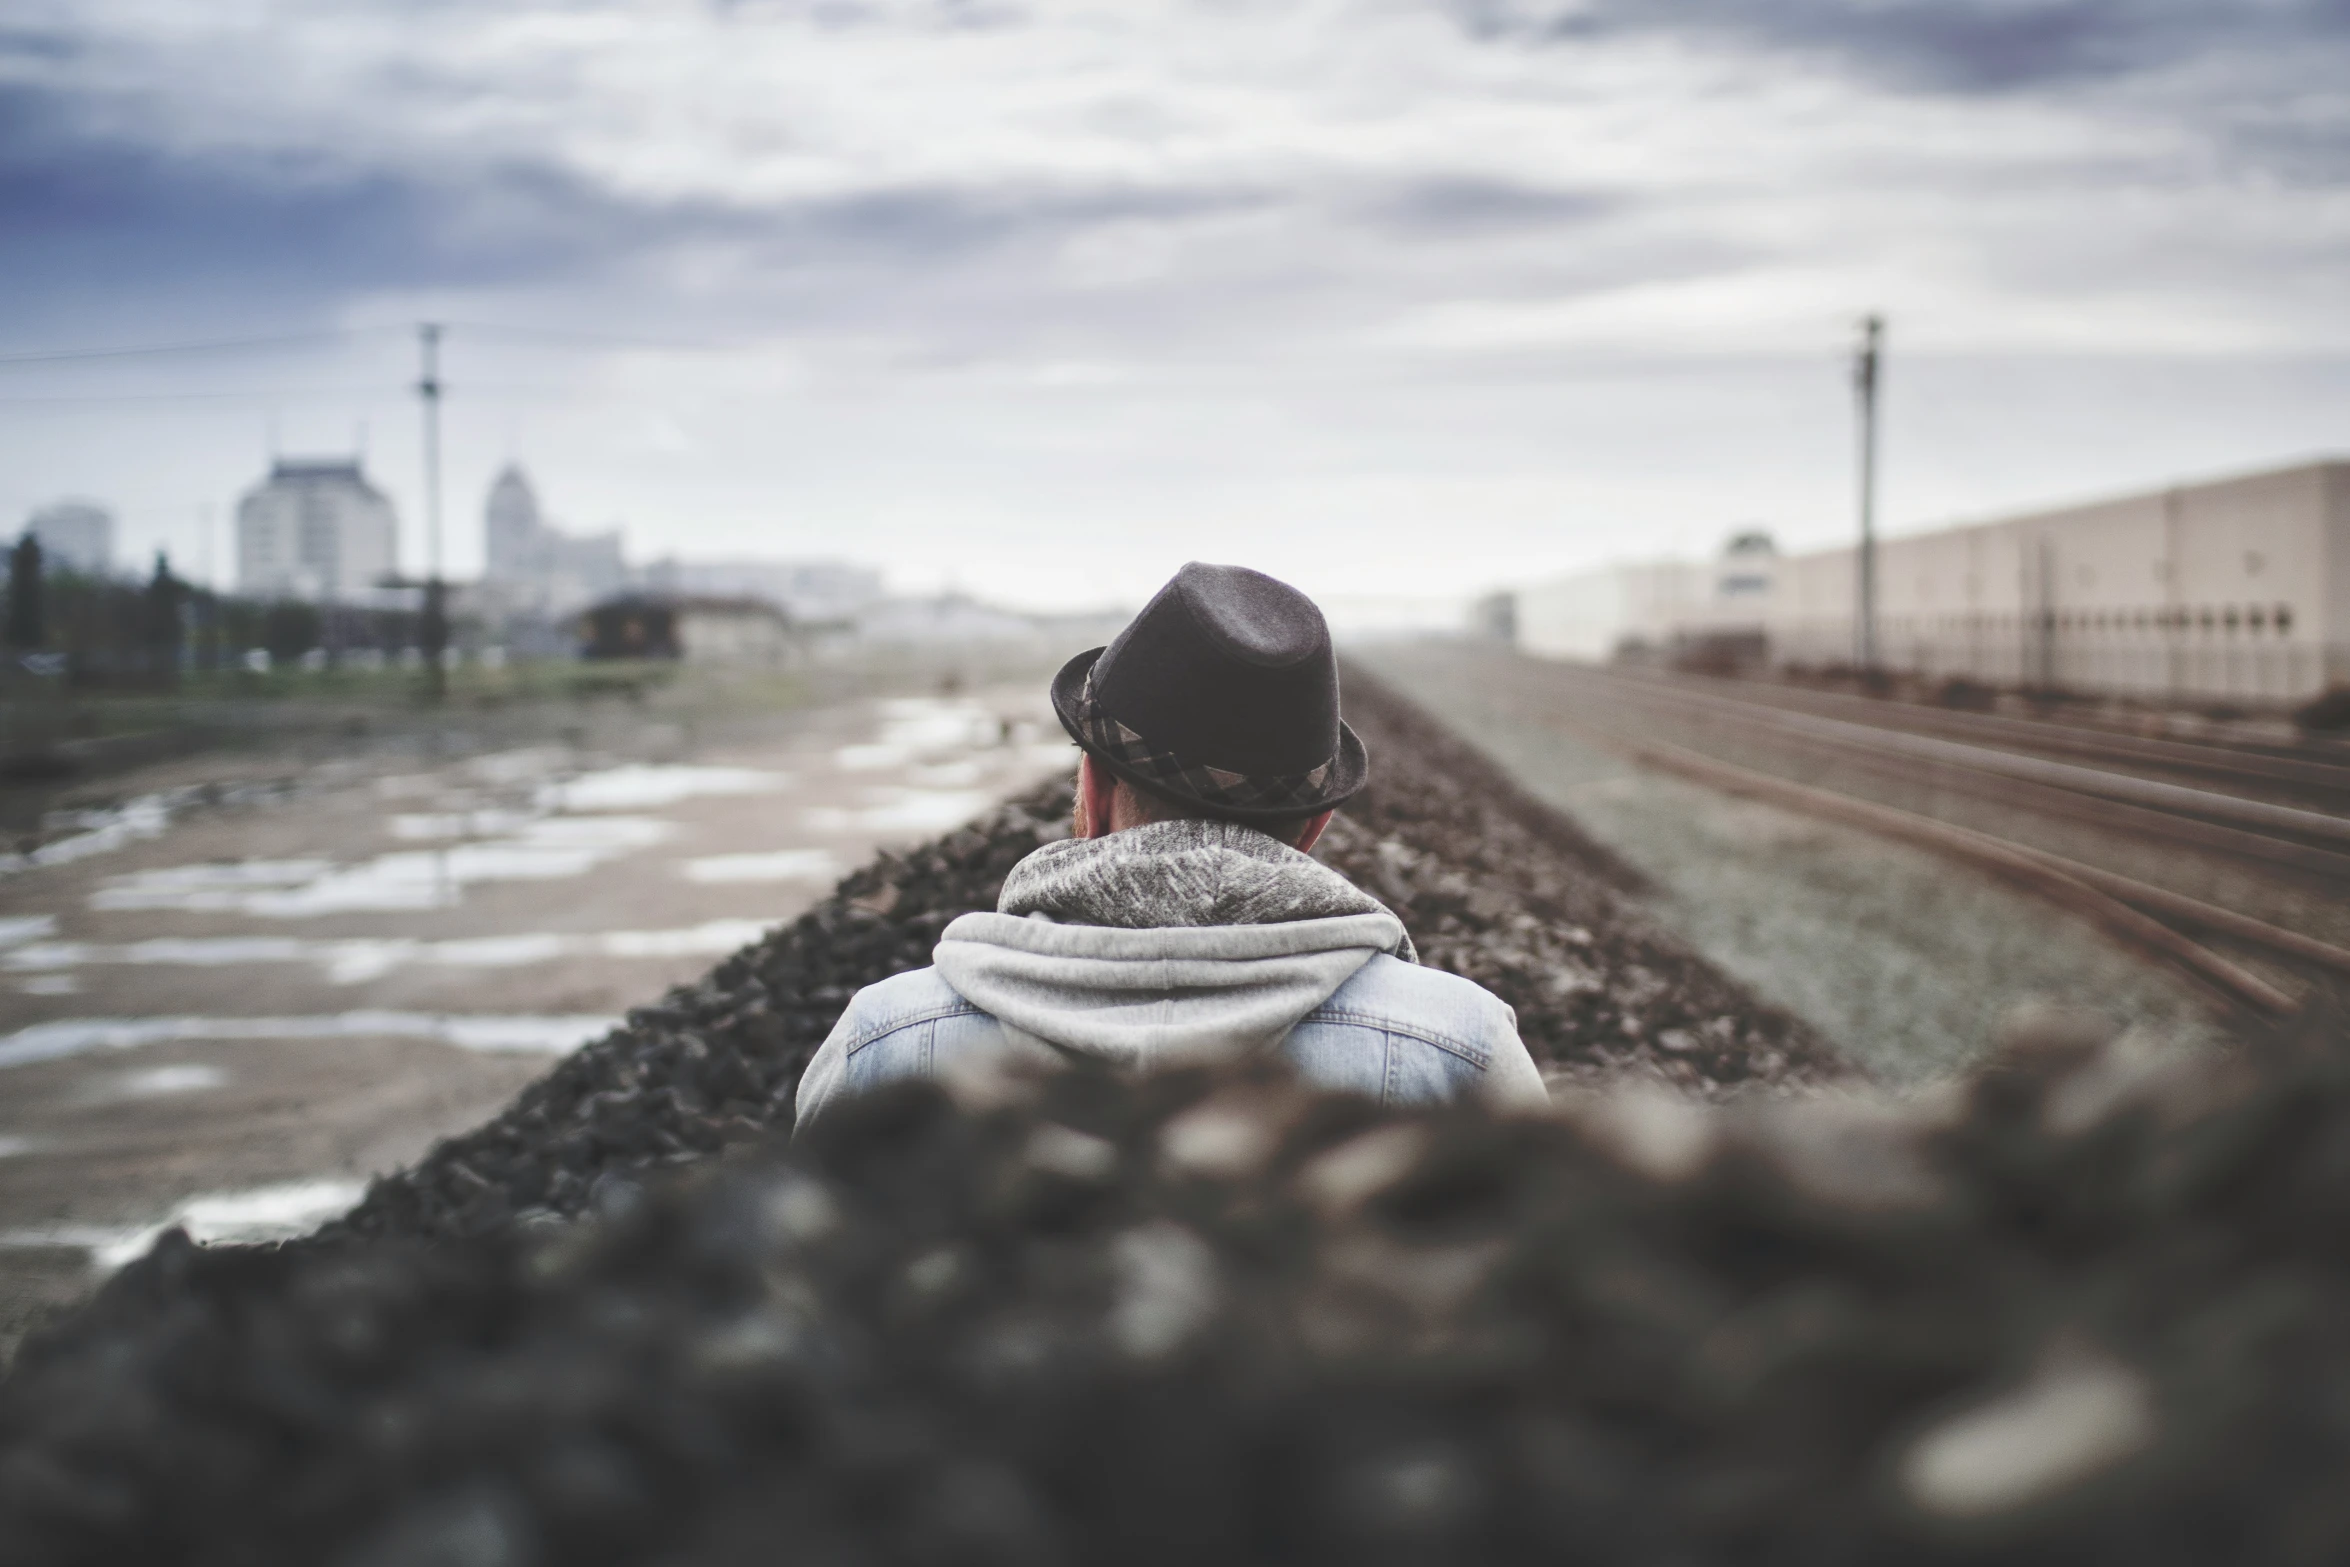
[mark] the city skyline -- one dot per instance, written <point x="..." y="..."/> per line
<point x="1038" y="302"/>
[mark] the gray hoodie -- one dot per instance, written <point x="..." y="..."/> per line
<point x="1179" y="943"/>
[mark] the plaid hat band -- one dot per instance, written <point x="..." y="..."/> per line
<point x="1213" y="786"/>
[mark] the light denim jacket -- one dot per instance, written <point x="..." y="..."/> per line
<point x="1394" y="1032"/>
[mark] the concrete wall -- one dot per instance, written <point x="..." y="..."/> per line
<point x="2234" y="589"/>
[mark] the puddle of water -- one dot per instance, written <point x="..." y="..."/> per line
<point x="548" y="849"/>
<point x="103" y="832"/>
<point x="159" y="1082"/>
<point x="214" y="886"/>
<point x="197" y="952"/>
<point x="457" y="824"/>
<point x="494" y="1033"/>
<point x="16" y="930"/>
<point x="11" y="1147"/>
<point x="713" y="937"/>
<point x="260" y="1214"/>
<point x="777" y="865"/>
<point x="903" y="810"/>
<point x="640" y="785"/>
<point x="360" y="959"/>
<point x="914" y="728"/>
<point x="49" y="985"/>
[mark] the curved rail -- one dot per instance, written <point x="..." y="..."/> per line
<point x="2266" y="768"/>
<point x="2275" y="836"/>
<point x="2258" y="815"/>
<point x="2263" y="832"/>
<point x="2050" y="875"/>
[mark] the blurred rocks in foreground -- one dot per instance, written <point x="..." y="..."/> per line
<point x="2088" y="1307"/>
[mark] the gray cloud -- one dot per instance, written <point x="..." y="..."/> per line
<point x="1963" y="46"/>
<point x="91" y="224"/>
<point x="1461" y="205"/>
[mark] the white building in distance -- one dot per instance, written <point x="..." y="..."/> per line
<point x="75" y="536"/>
<point x="317" y="530"/>
<point x="1597" y="614"/>
<point x="535" y="568"/>
<point x="2235" y="588"/>
<point x="811" y="592"/>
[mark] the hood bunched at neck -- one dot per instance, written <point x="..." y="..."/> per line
<point x="1183" y="873"/>
<point x="1173" y="942"/>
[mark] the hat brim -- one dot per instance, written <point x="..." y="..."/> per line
<point x="1351" y="771"/>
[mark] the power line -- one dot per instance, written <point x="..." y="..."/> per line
<point x="215" y="345"/>
<point x="262" y="394"/>
<point x="552" y="336"/>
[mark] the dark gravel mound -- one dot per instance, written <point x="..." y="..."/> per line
<point x="716" y="1061"/>
<point x="1492" y="884"/>
<point x="1503" y="889"/>
<point x="2098" y="1312"/>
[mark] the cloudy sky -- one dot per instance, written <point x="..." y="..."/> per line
<point x="1039" y="298"/>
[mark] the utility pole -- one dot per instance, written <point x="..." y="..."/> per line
<point x="1864" y="386"/>
<point x="433" y="634"/>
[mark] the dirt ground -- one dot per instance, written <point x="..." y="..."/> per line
<point x="251" y="984"/>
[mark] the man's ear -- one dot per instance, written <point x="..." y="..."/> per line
<point x="1313" y="833"/>
<point x="1097" y="788"/>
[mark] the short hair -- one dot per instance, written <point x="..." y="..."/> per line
<point x="1154" y="805"/>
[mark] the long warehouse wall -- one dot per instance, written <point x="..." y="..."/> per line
<point x="2236" y="589"/>
<point x="2239" y="588"/>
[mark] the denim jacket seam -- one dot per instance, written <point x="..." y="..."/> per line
<point x="875" y="1033"/>
<point x="1481" y="1059"/>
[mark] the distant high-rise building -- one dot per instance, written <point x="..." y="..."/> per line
<point x="75" y="536"/>
<point x="511" y="527"/>
<point x="315" y="529"/>
<point x="539" y="568"/>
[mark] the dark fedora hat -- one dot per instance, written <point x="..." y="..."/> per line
<point x="1222" y="693"/>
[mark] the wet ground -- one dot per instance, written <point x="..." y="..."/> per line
<point x="229" y="999"/>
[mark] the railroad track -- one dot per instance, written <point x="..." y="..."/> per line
<point x="2280" y="817"/>
<point x="2317" y="775"/>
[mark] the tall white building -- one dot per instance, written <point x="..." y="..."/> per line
<point x="315" y="529"/>
<point x="75" y="536"/>
<point x="535" y="567"/>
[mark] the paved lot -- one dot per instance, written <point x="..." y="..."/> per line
<point x="228" y="1006"/>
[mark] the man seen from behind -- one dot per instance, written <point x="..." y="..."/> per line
<point x="1185" y="921"/>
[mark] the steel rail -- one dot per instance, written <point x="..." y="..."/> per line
<point x="2218" y="761"/>
<point x="2174" y="798"/>
<point x="2045" y="873"/>
<point x="2324" y="865"/>
<point x="2086" y="889"/>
